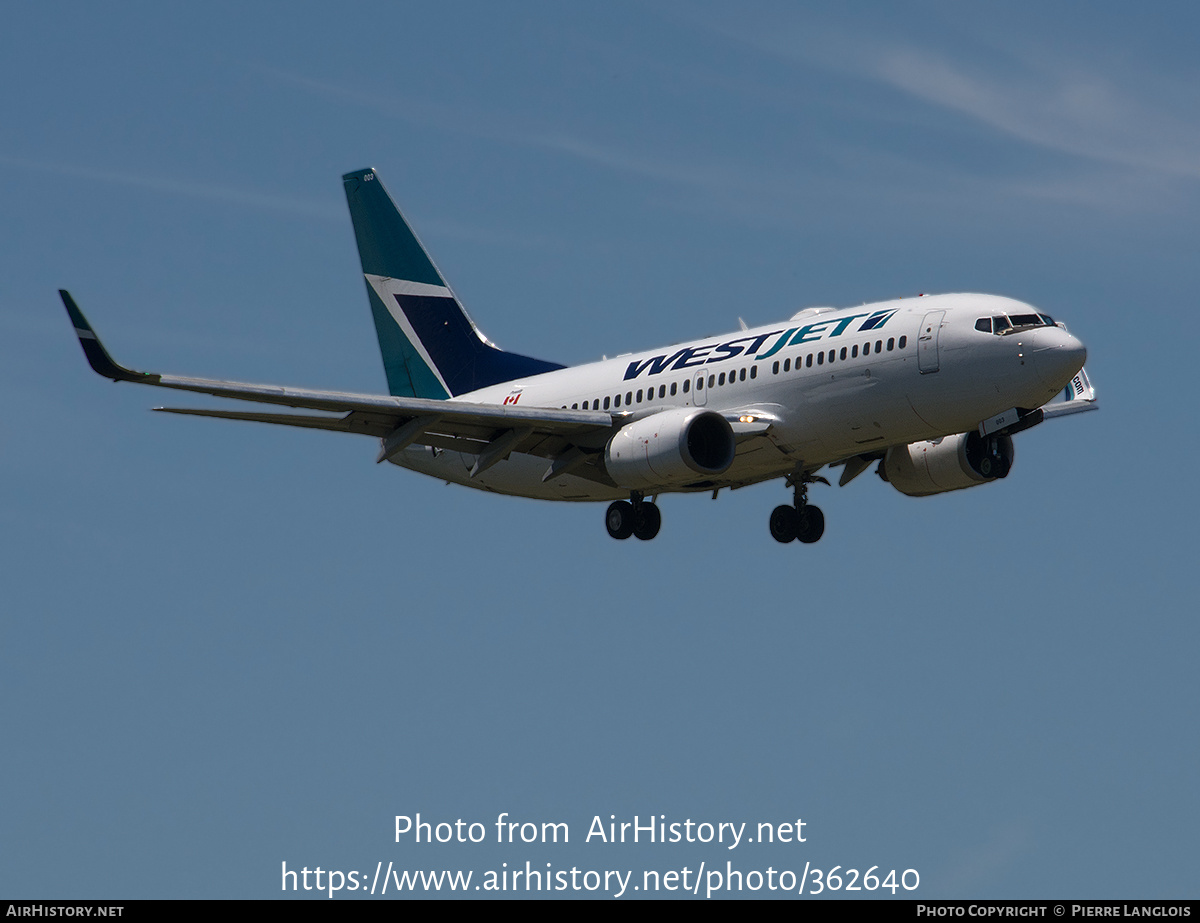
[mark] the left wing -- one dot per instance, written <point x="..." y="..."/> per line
<point x="570" y="438"/>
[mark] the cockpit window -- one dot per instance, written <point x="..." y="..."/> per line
<point x="1000" y="324"/>
<point x="984" y="325"/>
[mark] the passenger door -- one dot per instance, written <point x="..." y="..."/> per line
<point x="927" y="342"/>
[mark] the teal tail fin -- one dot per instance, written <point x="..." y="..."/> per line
<point x="430" y="347"/>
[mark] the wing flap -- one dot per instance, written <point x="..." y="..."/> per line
<point x="364" y="424"/>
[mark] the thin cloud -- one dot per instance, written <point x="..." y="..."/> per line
<point x="712" y="179"/>
<point x="393" y="105"/>
<point x="1126" y="136"/>
<point x="1070" y="111"/>
<point x="506" y="128"/>
<point x="244" y="197"/>
<point x="668" y="169"/>
<point x="981" y="867"/>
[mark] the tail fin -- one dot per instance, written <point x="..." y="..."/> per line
<point x="430" y="347"/>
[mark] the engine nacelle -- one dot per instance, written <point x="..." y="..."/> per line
<point x="670" y="449"/>
<point x="952" y="463"/>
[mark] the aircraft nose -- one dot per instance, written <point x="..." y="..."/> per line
<point x="1058" y="356"/>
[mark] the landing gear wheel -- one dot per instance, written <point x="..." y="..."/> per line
<point x="647" y="520"/>
<point x="619" y="519"/>
<point x="810" y="525"/>
<point x="784" y="523"/>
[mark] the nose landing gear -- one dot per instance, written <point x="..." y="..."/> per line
<point x="801" y="520"/>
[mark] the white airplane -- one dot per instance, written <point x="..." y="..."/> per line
<point x="931" y="388"/>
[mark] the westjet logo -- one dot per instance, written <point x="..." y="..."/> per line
<point x="690" y="356"/>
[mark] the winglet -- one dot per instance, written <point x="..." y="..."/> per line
<point x="97" y="356"/>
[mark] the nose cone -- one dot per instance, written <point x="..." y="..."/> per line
<point x="1057" y="356"/>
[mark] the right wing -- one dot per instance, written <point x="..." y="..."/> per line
<point x="1080" y="396"/>
<point x="571" y="439"/>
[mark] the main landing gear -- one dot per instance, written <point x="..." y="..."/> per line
<point x="801" y="520"/>
<point x="634" y="516"/>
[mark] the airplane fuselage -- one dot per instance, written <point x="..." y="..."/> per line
<point x="834" y="382"/>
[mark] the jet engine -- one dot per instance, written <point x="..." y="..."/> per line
<point x="670" y="449"/>
<point x="951" y="463"/>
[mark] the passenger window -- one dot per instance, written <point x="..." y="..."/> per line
<point x="629" y="397"/>
<point x="720" y="380"/>
<point x="687" y="384"/>
<point x="775" y="368"/>
<point x="903" y="342"/>
<point x="854" y="351"/>
<point x="711" y="379"/>
<point x="832" y="354"/>
<point x="754" y="371"/>
<point x="662" y="390"/>
<point x="808" y="361"/>
<point x="843" y="354"/>
<point x="879" y="346"/>
<point x="787" y="365"/>
<point x="820" y="358"/>
<point x="673" y="388"/>
<point x="606" y="403"/>
<point x="867" y="348"/>
<point x="891" y="343"/>
<point x="742" y="375"/>
<point x="575" y="406"/>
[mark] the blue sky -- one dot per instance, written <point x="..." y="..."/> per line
<point x="228" y="646"/>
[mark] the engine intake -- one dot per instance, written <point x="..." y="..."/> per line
<point x="670" y="449"/>
<point x="952" y="463"/>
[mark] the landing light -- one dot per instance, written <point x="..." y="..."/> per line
<point x="746" y="418"/>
